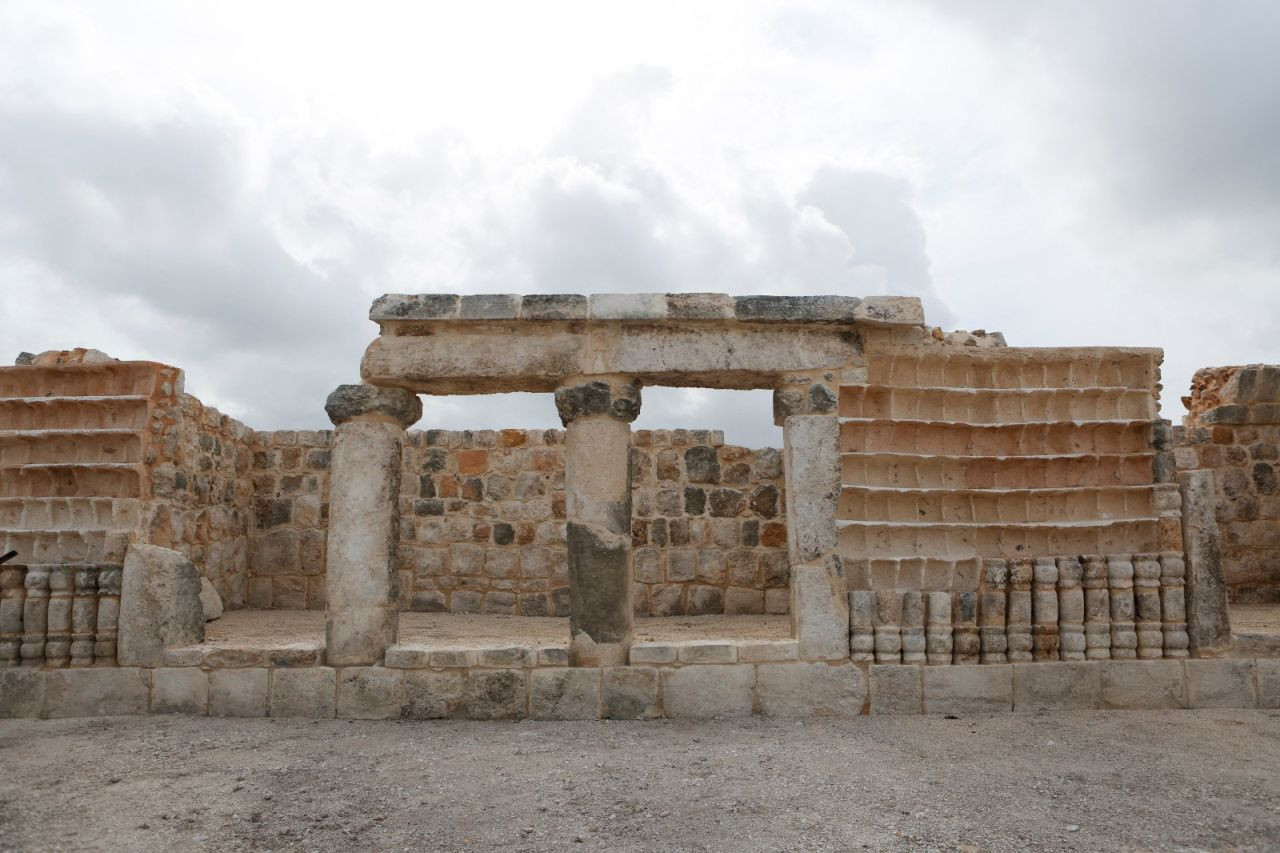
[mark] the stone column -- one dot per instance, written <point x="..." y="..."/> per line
<point x="1208" y="625"/>
<point x="361" y="612"/>
<point x="597" y="413"/>
<point x="12" y="595"/>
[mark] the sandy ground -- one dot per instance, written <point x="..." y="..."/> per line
<point x="281" y="627"/>
<point x="1088" y="780"/>
<point x="1255" y="618"/>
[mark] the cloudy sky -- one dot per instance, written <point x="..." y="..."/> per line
<point x="226" y="186"/>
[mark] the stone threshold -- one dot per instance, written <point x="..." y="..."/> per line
<point x="794" y="689"/>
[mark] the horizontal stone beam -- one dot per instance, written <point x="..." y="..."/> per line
<point x="444" y="344"/>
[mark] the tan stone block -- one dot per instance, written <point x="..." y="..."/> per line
<point x="767" y="651"/>
<point x="406" y="656"/>
<point x="309" y="692"/>
<point x="451" y="658"/>
<point x="895" y="688"/>
<point x="1143" y="684"/>
<point x="564" y="693"/>
<point x="553" y="655"/>
<point x="810" y="690"/>
<point x="706" y="651"/>
<point x="434" y="695"/>
<point x="508" y="656"/>
<point x="185" y="655"/>
<point x="496" y="694"/>
<point x="1061" y="686"/>
<point x="724" y="690"/>
<point x="370" y="693"/>
<point x="179" y="690"/>
<point x="967" y="689"/>
<point x="1268" y="682"/>
<point x="630" y="693"/>
<point x="652" y="653"/>
<point x="1224" y="683"/>
<point x="238" y="692"/>
<point x="21" y="692"/>
<point x="96" y="692"/>
<point x="739" y="600"/>
<point x="234" y="657"/>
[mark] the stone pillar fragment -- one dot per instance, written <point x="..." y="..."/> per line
<point x="105" y="631"/>
<point x="913" y="639"/>
<point x="967" y="646"/>
<point x="1124" y="641"/>
<point x="1208" y="625"/>
<point x="938" y="642"/>
<point x="862" y="620"/>
<point x="1044" y="609"/>
<point x="57" y="647"/>
<point x="361" y="608"/>
<point x="12" y="595"/>
<point x="1071" y="639"/>
<point x="888" y="626"/>
<point x="1146" y="605"/>
<point x="1018" y="614"/>
<point x="35" y="615"/>
<point x="992" y="606"/>
<point x="597" y="415"/>
<point x="1097" y="609"/>
<point x="84" y="615"/>
<point x="1173" y="610"/>
<point x="159" y="605"/>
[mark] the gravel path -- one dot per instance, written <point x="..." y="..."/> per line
<point x="1089" y="780"/>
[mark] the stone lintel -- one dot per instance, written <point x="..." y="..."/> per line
<point x="393" y="404"/>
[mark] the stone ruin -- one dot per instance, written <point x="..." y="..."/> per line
<point x="951" y="525"/>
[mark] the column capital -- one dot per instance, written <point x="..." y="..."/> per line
<point x="393" y="404"/>
<point x="614" y="397"/>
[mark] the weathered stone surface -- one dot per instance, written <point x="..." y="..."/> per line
<point x="699" y="306"/>
<point x="810" y="690"/>
<point x="414" y="306"/>
<point x="495" y="694"/>
<point x="627" y="306"/>
<point x="895" y="688"/>
<point x="619" y="400"/>
<point x="890" y="311"/>
<point x="407" y="656"/>
<point x="309" y="692"/>
<point x="96" y="692"/>
<point x="553" y="306"/>
<point x="1268" y="682"/>
<point x="1063" y="686"/>
<point x="652" y="653"/>
<point x="630" y="693"/>
<point x="812" y="446"/>
<point x="434" y="695"/>
<point x="353" y="401"/>
<point x="238" y="692"/>
<point x="796" y="309"/>
<point x="1226" y="683"/>
<point x="707" y="651"/>
<point x="159" y="605"/>
<point x="709" y="691"/>
<point x="489" y="306"/>
<point x="370" y="693"/>
<point x="179" y="690"/>
<point x="21" y="692"/>
<point x="1208" y="624"/>
<point x="819" y="611"/>
<point x="967" y="689"/>
<point x="564" y="693"/>
<point x="210" y="601"/>
<point x="1143" y="684"/>
<point x="767" y="651"/>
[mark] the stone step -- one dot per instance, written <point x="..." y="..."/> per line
<point x="83" y="380"/>
<point x="1008" y="506"/>
<point x="122" y="412"/>
<point x="97" y="479"/>
<point x="875" y="435"/>
<point x="926" y="471"/>
<point x="70" y="513"/>
<point x="66" y="546"/>
<point x="22" y="447"/>
<point x="996" y="406"/>
<point x="897" y="540"/>
<point x="1015" y="367"/>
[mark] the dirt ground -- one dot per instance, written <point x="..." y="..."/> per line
<point x="1088" y="780"/>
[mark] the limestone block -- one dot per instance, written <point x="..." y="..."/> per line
<point x="496" y="694"/>
<point x="810" y="690"/>
<point x="895" y="689"/>
<point x="767" y="651"/>
<point x="819" y="611"/>
<point x="406" y="656"/>
<point x="96" y="692"/>
<point x="21" y="692"/>
<point x="890" y="311"/>
<point x="489" y="306"/>
<point x="1225" y="683"/>
<point x="508" y="656"/>
<point x="796" y="309"/>
<point x="159" y="605"/>
<point x="812" y="445"/>
<point x="652" y="653"/>
<point x="564" y="693"/>
<point x="967" y="689"/>
<point x="706" y="651"/>
<point x="551" y="306"/>
<point x="1143" y="684"/>
<point x="1268" y="682"/>
<point x="434" y="695"/>
<point x="210" y="601"/>
<point x="308" y="692"/>
<point x="179" y="690"/>
<point x="553" y="655"/>
<point x="630" y="693"/>
<point x="1069" y="685"/>
<point x="184" y="656"/>
<point x="627" y="306"/>
<point x="1208" y="624"/>
<point x="709" y="690"/>
<point x="370" y="693"/>
<point x="238" y="692"/>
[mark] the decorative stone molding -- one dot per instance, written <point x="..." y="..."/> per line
<point x="614" y="398"/>
<point x="348" y="402"/>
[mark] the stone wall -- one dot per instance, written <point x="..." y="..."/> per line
<point x="1233" y="430"/>
<point x="483" y="523"/>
